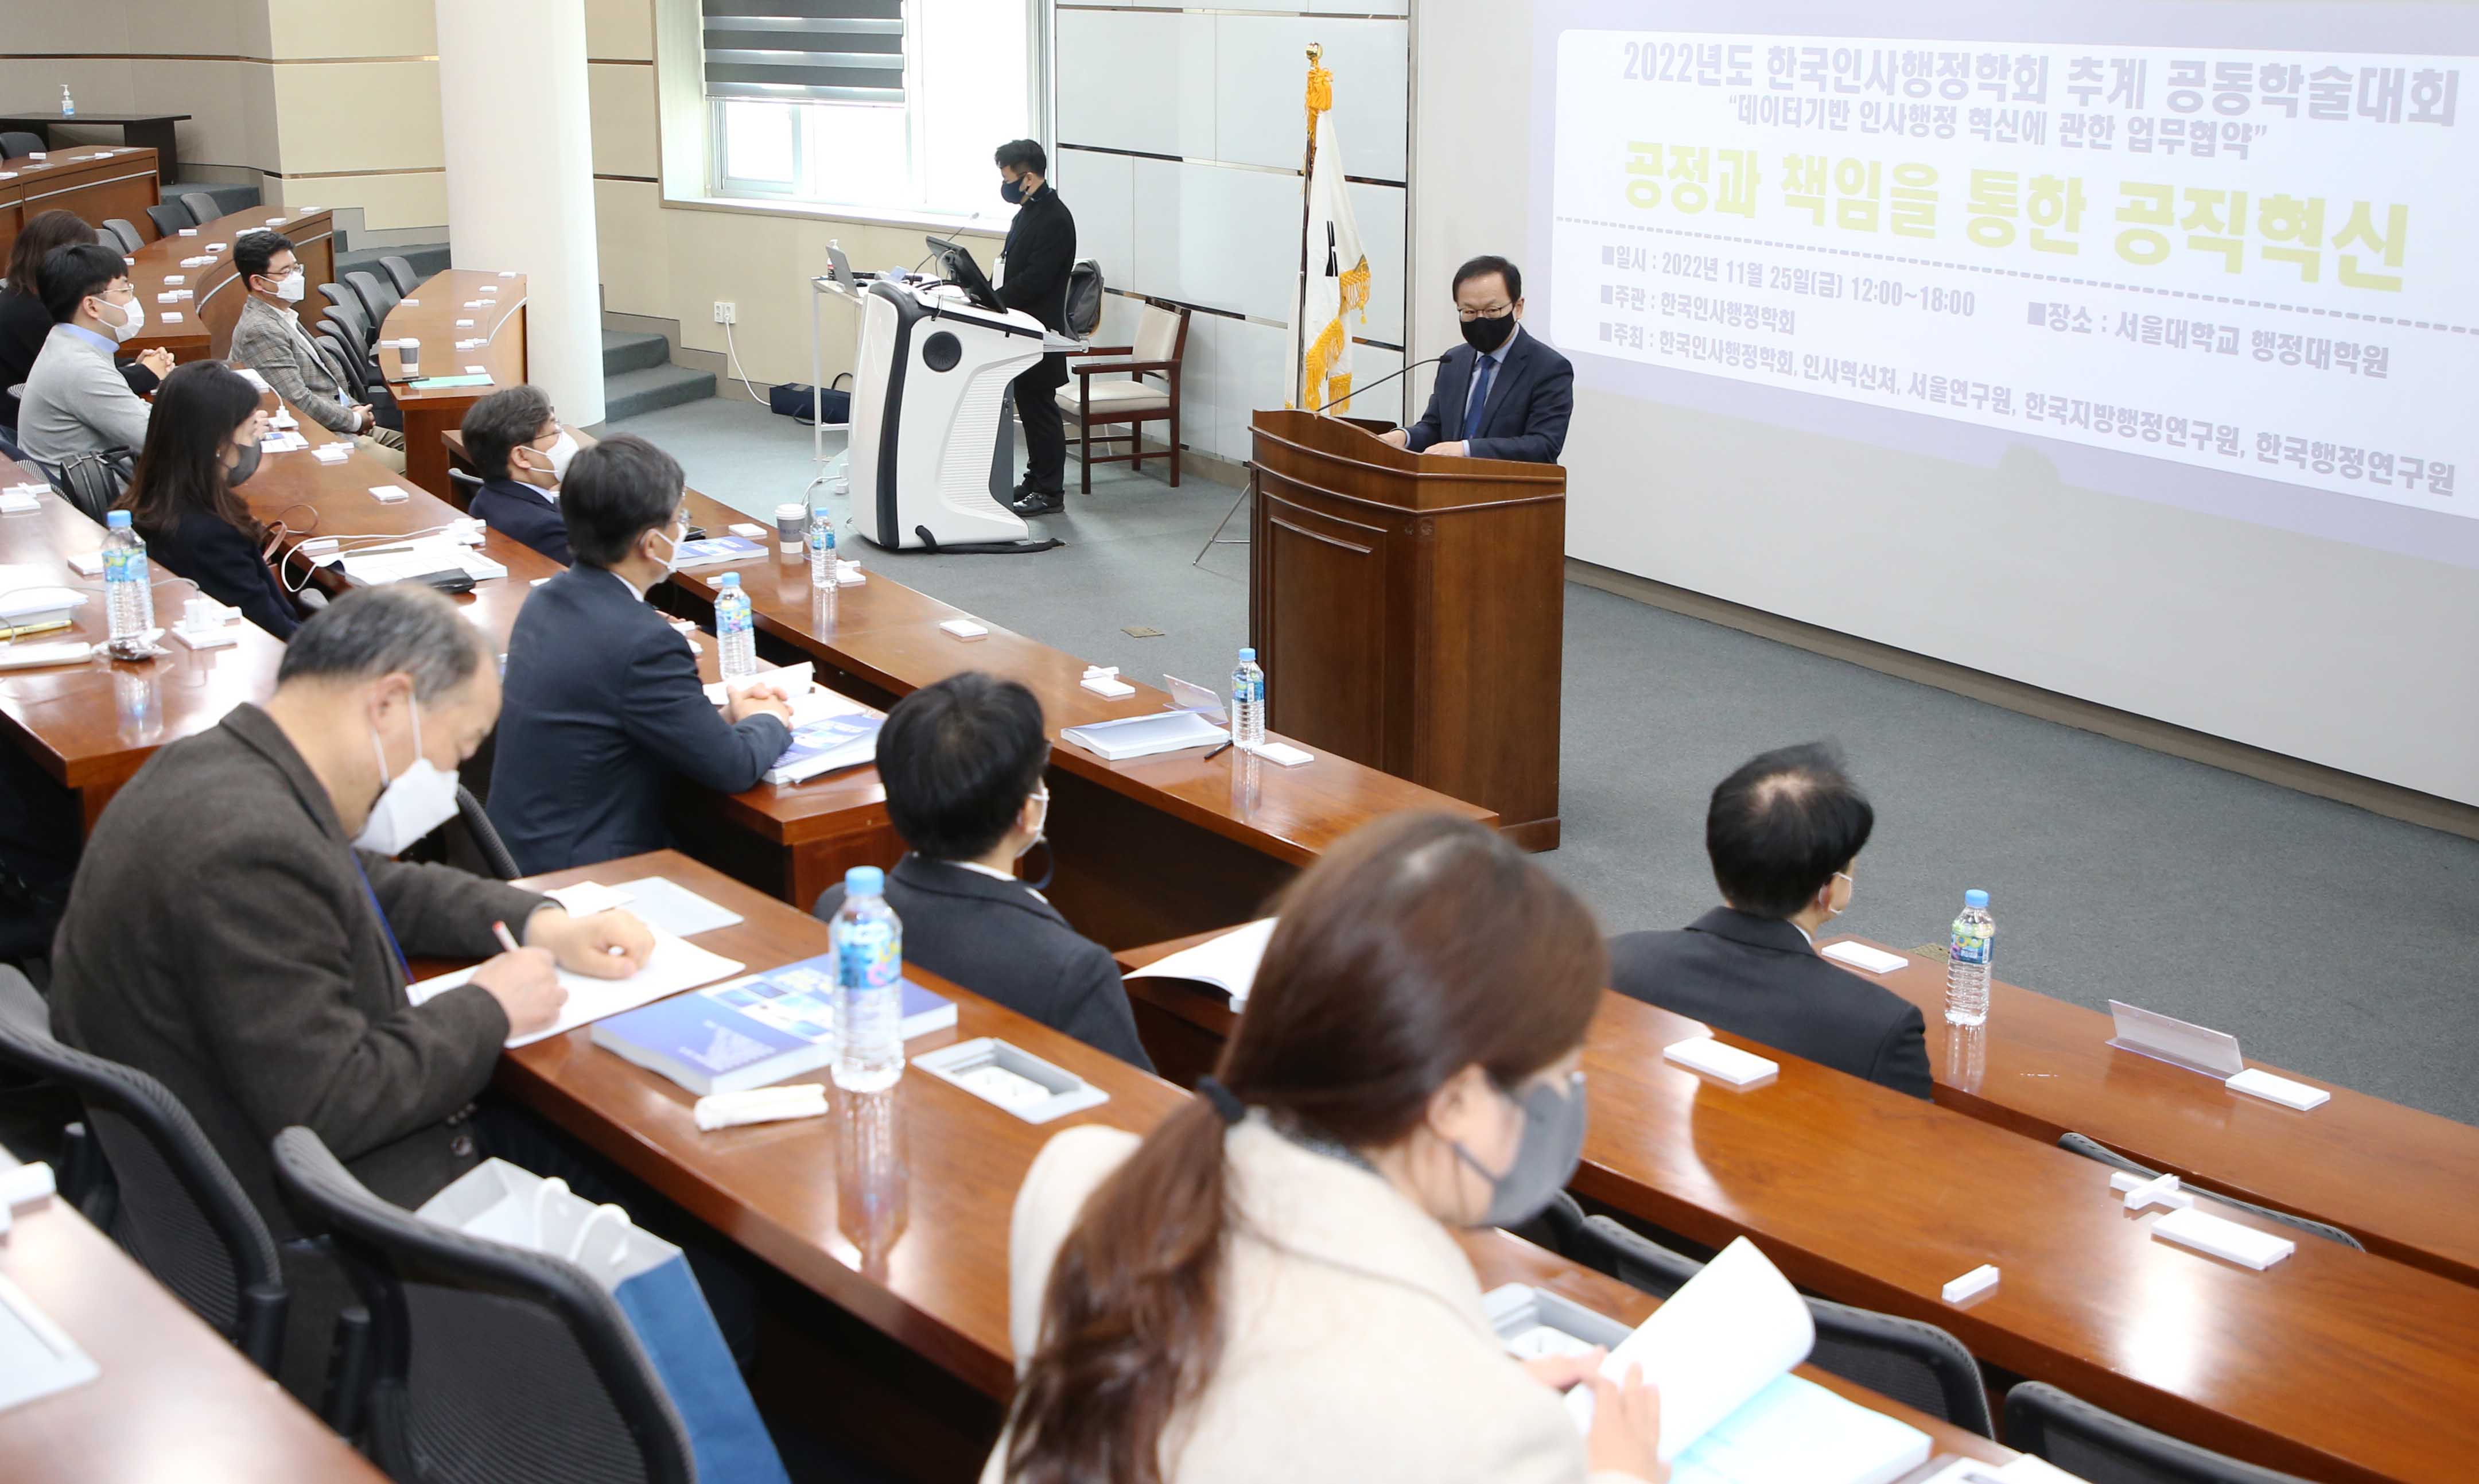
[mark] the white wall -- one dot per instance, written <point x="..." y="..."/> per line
<point x="2339" y="654"/>
<point x="1179" y="138"/>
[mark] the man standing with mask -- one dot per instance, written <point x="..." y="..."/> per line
<point x="1501" y="394"/>
<point x="604" y="704"/>
<point x="1041" y="250"/>
<point x="268" y="339"/>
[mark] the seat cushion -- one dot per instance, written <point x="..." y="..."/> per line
<point x="1119" y="396"/>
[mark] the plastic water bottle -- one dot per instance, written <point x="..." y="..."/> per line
<point x="69" y="105"/>
<point x="869" y="985"/>
<point x="1248" y="702"/>
<point x="735" y="629"/>
<point x="1967" y="961"/>
<point x="128" y="588"/>
<point x="822" y="548"/>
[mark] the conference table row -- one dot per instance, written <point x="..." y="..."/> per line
<point x="98" y="182"/>
<point x="2333" y="1364"/>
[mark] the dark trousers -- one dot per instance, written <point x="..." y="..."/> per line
<point x="1045" y="432"/>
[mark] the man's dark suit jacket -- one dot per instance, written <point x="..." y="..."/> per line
<point x="1529" y="403"/>
<point x="526" y="513"/>
<point x="602" y="705"/>
<point x="1040" y="251"/>
<point x="1758" y="978"/>
<point x="999" y="939"/>
<point x="24" y="325"/>
<point x="219" y="938"/>
<point x="225" y="565"/>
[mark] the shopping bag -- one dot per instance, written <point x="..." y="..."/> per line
<point x="652" y="1282"/>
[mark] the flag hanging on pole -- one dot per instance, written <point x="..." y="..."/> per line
<point x="1336" y="267"/>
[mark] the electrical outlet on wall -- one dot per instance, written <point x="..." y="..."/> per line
<point x="725" y="312"/>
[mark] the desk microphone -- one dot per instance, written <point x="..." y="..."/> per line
<point x="1382" y="381"/>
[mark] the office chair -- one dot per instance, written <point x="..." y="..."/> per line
<point x="17" y="143"/>
<point x="170" y="217"/>
<point x="203" y="207"/>
<point x="2107" y="1448"/>
<point x="1914" y="1362"/>
<point x="126" y="233"/>
<point x="174" y="1207"/>
<point x="377" y="298"/>
<point x="2093" y="1149"/>
<point x="104" y="239"/>
<point x="348" y="368"/>
<point x="485" y="835"/>
<point x="485" y="1362"/>
<point x="401" y="274"/>
<point x="352" y="325"/>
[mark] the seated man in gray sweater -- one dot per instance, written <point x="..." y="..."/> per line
<point x="76" y="400"/>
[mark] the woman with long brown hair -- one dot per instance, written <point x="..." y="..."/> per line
<point x="25" y="324"/>
<point x="1268" y="1287"/>
<point x="202" y="442"/>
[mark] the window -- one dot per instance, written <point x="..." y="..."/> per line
<point x="886" y="105"/>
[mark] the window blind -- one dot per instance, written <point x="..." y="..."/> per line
<point x="837" y="51"/>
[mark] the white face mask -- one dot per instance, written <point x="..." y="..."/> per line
<point x="1831" y="911"/>
<point x="133" y="318"/>
<point x="672" y="562"/>
<point x="1041" y="826"/>
<point x="292" y="285"/>
<point x="560" y="453"/>
<point x="415" y="802"/>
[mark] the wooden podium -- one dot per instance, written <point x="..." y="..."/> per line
<point x="1408" y="611"/>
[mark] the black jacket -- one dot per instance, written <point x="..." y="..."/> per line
<point x="1001" y="939"/>
<point x="1758" y="978"/>
<point x="1040" y="251"/>
<point x="225" y="565"/>
<point x="524" y="512"/>
<point x="1529" y="403"/>
<point x="24" y="325"/>
<point x="602" y="705"/>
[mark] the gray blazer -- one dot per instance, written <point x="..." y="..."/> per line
<point x="271" y="342"/>
<point x="235" y="953"/>
<point x="76" y="401"/>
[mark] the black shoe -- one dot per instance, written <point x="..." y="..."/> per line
<point x="1036" y="503"/>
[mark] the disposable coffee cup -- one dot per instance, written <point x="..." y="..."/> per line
<point x="408" y="355"/>
<point x="792" y="525"/>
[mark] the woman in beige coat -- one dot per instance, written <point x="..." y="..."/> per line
<point x="1268" y="1287"/>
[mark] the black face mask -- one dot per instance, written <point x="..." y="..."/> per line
<point x="246" y="466"/>
<point x="1489" y="332"/>
<point x="1012" y="193"/>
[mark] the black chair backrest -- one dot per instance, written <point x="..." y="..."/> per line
<point x="337" y="293"/>
<point x="104" y="239"/>
<point x="1909" y="1359"/>
<point x="401" y="274"/>
<point x="126" y="231"/>
<point x="377" y="298"/>
<point x="478" y="828"/>
<point x="1634" y="1259"/>
<point x="17" y="143"/>
<point x="352" y="325"/>
<point x="177" y="1208"/>
<point x="2107" y="1448"/>
<point x="93" y="481"/>
<point x="203" y="207"/>
<point x="2093" y="1149"/>
<point x="171" y="219"/>
<point x="486" y="1362"/>
<point x="344" y="363"/>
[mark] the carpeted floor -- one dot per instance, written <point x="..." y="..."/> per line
<point x="2327" y="939"/>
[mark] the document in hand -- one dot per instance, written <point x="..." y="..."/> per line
<point x="676" y="965"/>
<point x="1720" y="1351"/>
<point x="822" y="747"/>
<point x="1228" y="961"/>
<point x="1142" y="737"/>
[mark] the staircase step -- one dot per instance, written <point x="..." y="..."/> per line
<point x="652" y="389"/>
<point x="628" y="351"/>
<point x="232" y="195"/>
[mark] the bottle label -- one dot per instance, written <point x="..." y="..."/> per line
<point x="1970" y="945"/>
<point x="731" y="618"/>
<point x="868" y="954"/>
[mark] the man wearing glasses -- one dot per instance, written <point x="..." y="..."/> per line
<point x="1501" y="394"/>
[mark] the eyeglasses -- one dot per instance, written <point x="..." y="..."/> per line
<point x="1499" y="312"/>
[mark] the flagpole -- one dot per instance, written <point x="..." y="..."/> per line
<point x="1300" y="294"/>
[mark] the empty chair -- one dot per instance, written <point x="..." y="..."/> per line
<point x="377" y="298"/>
<point x="175" y="1207"/>
<point x="2107" y="1448"/>
<point x="401" y="274"/>
<point x="203" y="208"/>
<point x="2093" y="1149"/>
<point x="170" y="217"/>
<point x="1634" y="1259"/>
<point x="485" y="1362"/>
<point x="17" y="143"/>
<point x="104" y="239"/>
<point x="125" y="232"/>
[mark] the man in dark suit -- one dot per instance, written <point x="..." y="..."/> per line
<point x="603" y="698"/>
<point x="961" y="761"/>
<point x="515" y="441"/>
<point x="1501" y="394"/>
<point x="1041" y="250"/>
<point x="1783" y="832"/>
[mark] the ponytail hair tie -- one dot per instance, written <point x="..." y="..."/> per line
<point x="1226" y="1102"/>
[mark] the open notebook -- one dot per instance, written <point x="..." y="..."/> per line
<point x="676" y="965"/>
<point x="1721" y="1350"/>
<point x="1227" y="961"/>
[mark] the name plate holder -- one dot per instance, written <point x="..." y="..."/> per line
<point x="2179" y="1042"/>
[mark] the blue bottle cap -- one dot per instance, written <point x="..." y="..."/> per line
<point x="1975" y="898"/>
<point x="1247" y="651"/>
<point x="115" y="520"/>
<point x="819" y="512"/>
<point x="728" y="580"/>
<point x="865" y="882"/>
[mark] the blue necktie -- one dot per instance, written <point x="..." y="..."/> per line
<point x="1479" y="402"/>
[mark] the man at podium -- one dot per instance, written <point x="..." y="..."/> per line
<point x="1501" y="394"/>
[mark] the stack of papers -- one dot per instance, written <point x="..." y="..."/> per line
<point x="1142" y="737"/>
<point x="676" y="965"/>
<point x="37" y="603"/>
<point x="418" y="559"/>
<point x="812" y="703"/>
<point x="714" y="551"/>
<point x="1228" y="962"/>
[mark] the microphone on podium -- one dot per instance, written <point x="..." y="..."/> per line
<point x="1382" y="381"/>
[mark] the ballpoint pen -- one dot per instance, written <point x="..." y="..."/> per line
<point x="1217" y="752"/>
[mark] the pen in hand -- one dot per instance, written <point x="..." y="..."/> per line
<point x="507" y="940"/>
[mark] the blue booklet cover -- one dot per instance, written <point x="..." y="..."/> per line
<point x="753" y="1032"/>
<point x="822" y="747"/>
<point x="709" y="550"/>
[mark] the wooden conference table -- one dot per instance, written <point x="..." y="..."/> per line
<point x="95" y="181"/>
<point x="200" y="326"/>
<point x="172" y="1398"/>
<point x="2405" y="1183"/>
<point x="896" y="1207"/>
<point x="2333" y="1364"/>
<point x="460" y="304"/>
<point x="152" y="132"/>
